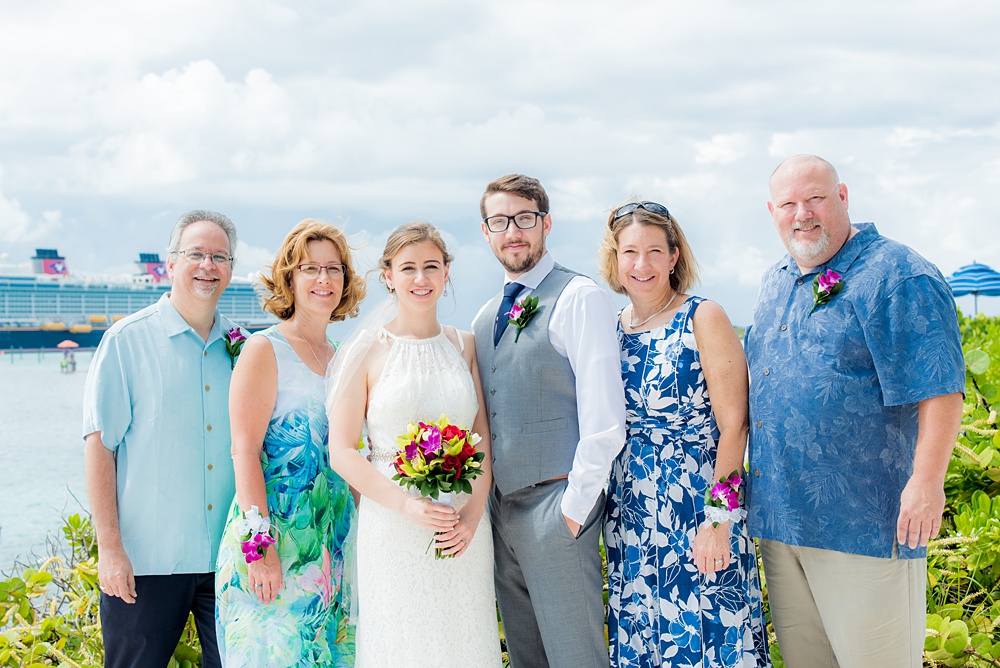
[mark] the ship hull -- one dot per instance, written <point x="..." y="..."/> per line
<point x="30" y="338"/>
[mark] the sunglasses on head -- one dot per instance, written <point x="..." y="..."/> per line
<point x="652" y="207"/>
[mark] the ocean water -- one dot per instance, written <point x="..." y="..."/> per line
<point x="41" y="450"/>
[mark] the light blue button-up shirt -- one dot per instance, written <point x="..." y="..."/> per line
<point x="159" y="396"/>
<point x="834" y="394"/>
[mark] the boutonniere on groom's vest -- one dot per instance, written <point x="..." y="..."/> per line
<point x="521" y="313"/>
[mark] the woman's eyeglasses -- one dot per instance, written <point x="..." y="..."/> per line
<point x="311" y="270"/>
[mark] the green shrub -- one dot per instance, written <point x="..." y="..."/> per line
<point x="50" y="613"/>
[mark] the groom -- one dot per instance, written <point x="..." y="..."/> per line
<point x="553" y="388"/>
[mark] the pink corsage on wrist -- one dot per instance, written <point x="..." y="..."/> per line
<point x="722" y="500"/>
<point x="255" y="534"/>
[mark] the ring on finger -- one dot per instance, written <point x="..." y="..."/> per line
<point x="258" y="586"/>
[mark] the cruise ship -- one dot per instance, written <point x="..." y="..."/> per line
<point x="44" y="305"/>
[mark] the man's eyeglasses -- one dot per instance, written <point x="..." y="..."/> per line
<point x="197" y="256"/>
<point x="524" y="221"/>
<point x="310" y="270"/>
<point x="652" y="207"/>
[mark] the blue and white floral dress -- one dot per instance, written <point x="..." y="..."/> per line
<point x="661" y="610"/>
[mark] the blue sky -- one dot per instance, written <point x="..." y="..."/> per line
<point x="116" y="117"/>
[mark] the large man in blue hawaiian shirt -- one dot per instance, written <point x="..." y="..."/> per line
<point x="855" y="405"/>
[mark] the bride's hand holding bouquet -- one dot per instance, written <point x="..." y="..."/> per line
<point x="440" y="459"/>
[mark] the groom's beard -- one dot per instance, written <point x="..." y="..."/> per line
<point x="515" y="266"/>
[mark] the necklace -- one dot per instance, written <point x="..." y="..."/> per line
<point x="311" y="349"/>
<point x="631" y="317"/>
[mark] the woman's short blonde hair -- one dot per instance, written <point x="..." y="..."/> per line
<point x="685" y="274"/>
<point x="406" y="234"/>
<point x="277" y="288"/>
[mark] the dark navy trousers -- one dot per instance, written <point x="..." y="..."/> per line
<point x="144" y="634"/>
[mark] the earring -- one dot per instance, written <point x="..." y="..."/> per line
<point x="671" y="271"/>
<point x="445" y="293"/>
<point x="392" y="289"/>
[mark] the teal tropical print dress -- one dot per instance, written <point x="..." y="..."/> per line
<point x="313" y="510"/>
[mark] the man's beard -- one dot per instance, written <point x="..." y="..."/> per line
<point x="810" y="250"/>
<point x="205" y="289"/>
<point x="529" y="261"/>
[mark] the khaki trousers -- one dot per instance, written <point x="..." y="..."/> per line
<point x="837" y="610"/>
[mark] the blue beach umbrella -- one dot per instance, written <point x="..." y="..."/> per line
<point x="975" y="279"/>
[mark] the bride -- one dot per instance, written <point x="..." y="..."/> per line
<point x="414" y="610"/>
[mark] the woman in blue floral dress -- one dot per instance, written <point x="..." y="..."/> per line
<point x="291" y="607"/>
<point x="683" y="592"/>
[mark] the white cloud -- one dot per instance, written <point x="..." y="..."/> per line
<point x="722" y="149"/>
<point x="17" y="225"/>
<point x="380" y="113"/>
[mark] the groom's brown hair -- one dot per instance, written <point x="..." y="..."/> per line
<point x="520" y="185"/>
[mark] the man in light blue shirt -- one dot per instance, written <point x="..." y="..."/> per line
<point x="856" y="381"/>
<point x="159" y="470"/>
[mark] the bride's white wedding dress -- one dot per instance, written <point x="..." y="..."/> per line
<point x="414" y="610"/>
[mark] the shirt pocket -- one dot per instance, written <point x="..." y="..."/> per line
<point x="543" y="426"/>
<point x="824" y="331"/>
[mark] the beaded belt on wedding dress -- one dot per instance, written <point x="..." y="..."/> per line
<point x="379" y="455"/>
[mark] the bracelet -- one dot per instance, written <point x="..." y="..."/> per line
<point x="255" y="534"/>
<point x="722" y="500"/>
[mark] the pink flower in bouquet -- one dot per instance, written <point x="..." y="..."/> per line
<point x="432" y="441"/>
<point x="411" y="450"/>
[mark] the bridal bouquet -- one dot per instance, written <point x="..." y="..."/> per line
<point x="438" y="458"/>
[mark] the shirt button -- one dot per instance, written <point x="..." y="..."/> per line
<point x="757" y="473"/>
<point x="493" y="414"/>
<point x="493" y="391"/>
<point x="209" y="427"/>
<point x="799" y="281"/>
<point x="783" y="328"/>
<point x="493" y="368"/>
<point x="759" y="424"/>
<point x="206" y="352"/>
<point x="210" y="506"/>
<point x="767" y="372"/>
<point x="207" y="388"/>
<point x="210" y="466"/>
<point x="494" y="437"/>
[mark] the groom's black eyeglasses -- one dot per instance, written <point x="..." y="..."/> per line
<point x="652" y="207"/>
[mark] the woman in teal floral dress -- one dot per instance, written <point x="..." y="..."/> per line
<point x="292" y="606"/>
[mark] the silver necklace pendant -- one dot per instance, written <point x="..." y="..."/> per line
<point x="631" y="318"/>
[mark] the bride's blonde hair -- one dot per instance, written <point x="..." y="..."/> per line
<point x="406" y="234"/>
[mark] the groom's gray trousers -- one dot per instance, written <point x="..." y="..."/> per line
<point x="549" y="584"/>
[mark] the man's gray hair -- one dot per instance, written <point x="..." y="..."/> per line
<point x="210" y="216"/>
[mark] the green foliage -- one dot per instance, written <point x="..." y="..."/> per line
<point x="50" y="612"/>
<point x="963" y="564"/>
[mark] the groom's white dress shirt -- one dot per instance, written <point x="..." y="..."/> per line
<point x="582" y="328"/>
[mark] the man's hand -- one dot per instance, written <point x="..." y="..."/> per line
<point x="574" y="528"/>
<point x="920" y="507"/>
<point x="114" y="573"/>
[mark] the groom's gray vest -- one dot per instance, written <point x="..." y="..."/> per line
<point x="530" y="393"/>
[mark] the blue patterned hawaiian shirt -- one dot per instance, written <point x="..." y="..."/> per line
<point x="833" y="395"/>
